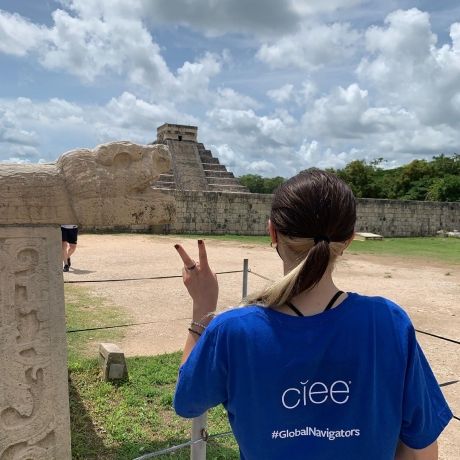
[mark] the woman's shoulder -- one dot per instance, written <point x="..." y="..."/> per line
<point x="381" y="306"/>
<point x="232" y="316"/>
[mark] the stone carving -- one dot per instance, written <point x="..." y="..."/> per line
<point x="107" y="186"/>
<point x="32" y="351"/>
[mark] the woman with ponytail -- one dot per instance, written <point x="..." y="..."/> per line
<point x="305" y="370"/>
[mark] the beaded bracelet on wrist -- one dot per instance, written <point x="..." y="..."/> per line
<point x="195" y="332"/>
<point x="196" y="323"/>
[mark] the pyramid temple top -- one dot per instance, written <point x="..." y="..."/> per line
<point x="176" y="133"/>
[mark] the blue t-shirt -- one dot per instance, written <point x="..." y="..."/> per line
<point x="346" y="383"/>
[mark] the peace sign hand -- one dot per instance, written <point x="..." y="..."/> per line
<point x="200" y="281"/>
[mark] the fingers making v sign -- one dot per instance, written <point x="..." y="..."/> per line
<point x="200" y="281"/>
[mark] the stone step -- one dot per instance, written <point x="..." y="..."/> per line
<point x="205" y="155"/>
<point x="210" y="161"/>
<point x="227" y="188"/>
<point x="166" y="177"/>
<point x="188" y="172"/>
<point x="209" y="173"/>
<point x="164" y="184"/>
<point x="214" y="167"/>
<point x="223" y="180"/>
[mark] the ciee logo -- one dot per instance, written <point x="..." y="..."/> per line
<point x="316" y="393"/>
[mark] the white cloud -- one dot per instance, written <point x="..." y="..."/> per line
<point x="101" y="39"/>
<point x="406" y="68"/>
<point x="132" y="118"/>
<point x="339" y="114"/>
<point x="290" y="93"/>
<point x="262" y="167"/>
<point x="312" y="47"/>
<point x="92" y="47"/>
<point x="239" y="163"/>
<point x="193" y="78"/>
<point x="282" y="94"/>
<point x="311" y="155"/>
<point x="228" y="98"/>
<point x="31" y="129"/>
<point x="18" y="36"/>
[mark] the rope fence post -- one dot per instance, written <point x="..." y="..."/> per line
<point x="198" y="450"/>
<point x="245" y="277"/>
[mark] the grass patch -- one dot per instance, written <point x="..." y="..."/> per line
<point x="86" y="310"/>
<point x="439" y="249"/>
<point x="124" y="421"/>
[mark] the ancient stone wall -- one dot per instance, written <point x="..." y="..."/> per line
<point x="244" y="213"/>
<point x="406" y="218"/>
<point x="220" y="212"/>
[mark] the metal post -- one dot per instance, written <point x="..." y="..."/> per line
<point x="198" y="450"/>
<point x="245" y="277"/>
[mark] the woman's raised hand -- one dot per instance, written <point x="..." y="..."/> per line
<point x="200" y="281"/>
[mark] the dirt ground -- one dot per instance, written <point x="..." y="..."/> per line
<point x="429" y="292"/>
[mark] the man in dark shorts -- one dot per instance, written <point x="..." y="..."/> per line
<point x="69" y="243"/>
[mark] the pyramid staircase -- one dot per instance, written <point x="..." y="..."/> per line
<point x="195" y="168"/>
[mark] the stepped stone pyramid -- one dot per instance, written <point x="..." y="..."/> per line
<point x="193" y="166"/>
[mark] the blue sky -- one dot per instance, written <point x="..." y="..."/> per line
<point x="274" y="86"/>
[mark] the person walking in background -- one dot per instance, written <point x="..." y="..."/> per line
<point x="69" y="243"/>
<point x="305" y="370"/>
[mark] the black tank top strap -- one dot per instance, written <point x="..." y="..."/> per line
<point x="331" y="302"/>
<point x="294" y="309"/>
<point x="329" y="305"/>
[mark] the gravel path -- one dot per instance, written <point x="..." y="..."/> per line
<point x="428" y="291"/>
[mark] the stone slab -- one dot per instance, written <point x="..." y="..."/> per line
<point x="363" y="236"/>
<point x="112" y="361"/>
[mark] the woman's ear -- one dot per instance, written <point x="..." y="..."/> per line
<point x="272" y="232"/>
<point x="348" y="242"/>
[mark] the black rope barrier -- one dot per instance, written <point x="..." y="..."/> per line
<point x="445" y="384"/>
<point x="98" y="328"/>
<point x="261" y="276"/>
<point x="438" y="336"/>
<point x="140" y="279"/>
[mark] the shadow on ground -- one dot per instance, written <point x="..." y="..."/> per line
<point x="88" y="440"/>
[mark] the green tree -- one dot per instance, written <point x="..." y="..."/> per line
<point x="259" y="184"/>
<point x="443" y="165"/>
<point x="272" y="183"/>
<point x="445" y="189"/>
<point x="412" y="181"/>
<point x="253" y="182"/>
<point x="362" y="178"/>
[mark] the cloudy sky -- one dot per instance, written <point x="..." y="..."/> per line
<point x="274" y="86"/>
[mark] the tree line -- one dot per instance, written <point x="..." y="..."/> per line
<point x="434" y="180"/>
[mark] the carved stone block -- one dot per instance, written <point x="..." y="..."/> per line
<point x="34" y="400"/>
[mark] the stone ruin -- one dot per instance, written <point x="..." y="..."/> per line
<point x="107" y="186"/>
<point x="193" y="167"/>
